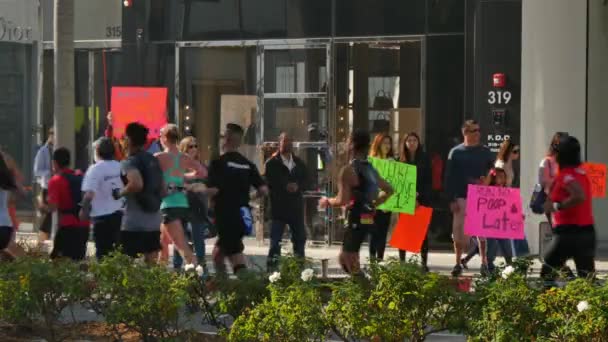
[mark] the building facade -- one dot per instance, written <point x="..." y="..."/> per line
<point x="320" y="68"/>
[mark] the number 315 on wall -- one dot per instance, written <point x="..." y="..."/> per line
<point x="499" y="97"/>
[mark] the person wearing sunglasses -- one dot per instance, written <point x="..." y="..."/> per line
<point x="467" y="164"/>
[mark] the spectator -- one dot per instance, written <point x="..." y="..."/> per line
<point x="42" y="173"/>
<point x="467" y="164"/>
<point x="231" y="177"/>
<point x="100" y="182"/>
<point x="382" y="148"/>
<point x="287" y="177"/>
<point x="413" y="153"/>
<point x="571" y="209"/>
<point x="508" y="153"/>
<point x="144" y="188"/>
<point x="65" y="197"/>
<point x="549" y="168"/>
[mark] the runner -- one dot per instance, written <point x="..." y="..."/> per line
<point x="65" y="197"/>
<point x="362" y="189"/>
<point x="144" y="189"/>
<point x="100" y="181"/>
<point x="231" y="177"/>
<point x="8" y="186"/>
<point x="174" y="207"/>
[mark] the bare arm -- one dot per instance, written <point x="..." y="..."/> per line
<point x="387" y="191"/>
<point x="85" y="212"/>
<point x="134" y="184"/>
<point x="576" y="196"/>
<point x="347" y="180"/>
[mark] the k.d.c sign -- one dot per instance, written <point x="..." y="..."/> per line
<point x="494" y="212"/>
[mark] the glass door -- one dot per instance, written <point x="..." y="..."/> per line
<point x="294" y="94"/>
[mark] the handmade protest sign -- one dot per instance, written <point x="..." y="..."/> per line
<point x="146" y="105"/>
<point x="402" y="177"/>
<point x="597" y="176"/>
<point x="410" y="231"/>
<point x="494" y="212"/>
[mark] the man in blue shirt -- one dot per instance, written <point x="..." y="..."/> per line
<point x="467" y="164"/>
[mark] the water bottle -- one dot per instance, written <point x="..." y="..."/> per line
<point x="247" y="220"/>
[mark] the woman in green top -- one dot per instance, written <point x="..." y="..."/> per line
<point x="174" y="207"/>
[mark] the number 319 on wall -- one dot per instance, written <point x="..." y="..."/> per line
<point x="499" y="97"/>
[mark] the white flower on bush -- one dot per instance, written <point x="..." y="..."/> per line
<point x="383" y="263"/>
<point x="90" y="277"/>
<point x="189" y="267"/>
<point x="276" y="276"/>
<point x="108" y="296"/>
<point x="200" y="270"/>
<point x="308" y="274"/>
<point x="507" y="272"/>
<point x="94" y="296"/>
<point x="582" y="306"/>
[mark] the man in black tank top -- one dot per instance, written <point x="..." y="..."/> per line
<point x="361" y="189"/>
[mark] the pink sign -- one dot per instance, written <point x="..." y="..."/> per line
<point x="494" y="212"/>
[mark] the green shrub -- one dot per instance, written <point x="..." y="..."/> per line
<point x="292" y="313"/>
<point x="503" y="310"/>
<point x="149" y="300"/>
<point x="400" y="302"/>
<point x="574" y="313"/>
<point x="36" y="291"/>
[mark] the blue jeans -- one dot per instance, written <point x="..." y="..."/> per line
<point x="298" y="238"/>
<point x="198" y="241"/>
<point x="504" y="245"/>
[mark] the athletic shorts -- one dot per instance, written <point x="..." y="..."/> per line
<point x="230" y="232"/>
<point x="354" y="236"/>
<point x="136" y="243"/>
<point x="6" y="233"/>
<point x="175" y="214"/>
<point x="71" y="242"/>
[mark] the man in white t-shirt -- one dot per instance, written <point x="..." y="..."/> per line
<point x="101" y="181"/>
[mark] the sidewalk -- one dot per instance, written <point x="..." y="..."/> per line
<point x="441" y="262"/>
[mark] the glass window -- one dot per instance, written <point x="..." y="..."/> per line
<point x="303" y="119"/>
<point x="445" y="16"/>
<point x="379" y="17"/>
<point x="17" y="102"/>
<point x="295" y="71"/>
<point x="219" y="86"/>
<point x="256" y="19"/>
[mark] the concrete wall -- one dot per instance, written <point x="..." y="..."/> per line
<point x="554" y="44"/>
<point x="597" y="105"/>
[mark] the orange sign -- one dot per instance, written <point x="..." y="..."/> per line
<point x="411" y="230"/>
<point x="145" y="105"/>
<point x="597" y="176"/>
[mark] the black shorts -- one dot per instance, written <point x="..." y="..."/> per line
<point x="354" y="235"/>
<point x="230" y="232"/>
<point x="47" y="218"/>
<point x="136" y="243"/>
<point x="6" y="233"/>
<point x="106" y="232"/>
<point x="70" y="242"/>
<point x="175" y="214"/>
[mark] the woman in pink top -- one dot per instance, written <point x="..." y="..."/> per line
<point x="548" y="167"/>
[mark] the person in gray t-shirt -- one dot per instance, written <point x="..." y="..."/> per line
<point x="140" y="233"/>
<point x="467" y="164"/>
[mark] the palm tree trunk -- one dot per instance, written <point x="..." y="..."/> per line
<point x="64" y="108"/>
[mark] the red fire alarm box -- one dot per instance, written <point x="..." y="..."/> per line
<point x="499" y="80"/>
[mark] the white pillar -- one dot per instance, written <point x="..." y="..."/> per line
<point x="597" y="106"/>
<point x="553" y="92"/>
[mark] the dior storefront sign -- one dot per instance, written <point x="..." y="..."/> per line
<point x="12" y="32"/>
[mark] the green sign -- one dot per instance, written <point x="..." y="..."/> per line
<point x="402" y="177"/>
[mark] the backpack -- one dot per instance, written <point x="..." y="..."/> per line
<point x="75" y="182"/>
<point x="150" y="197"/>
